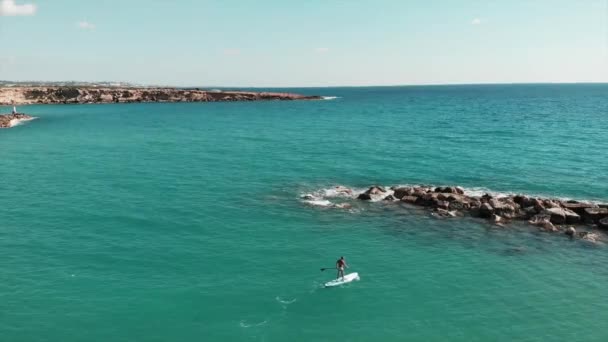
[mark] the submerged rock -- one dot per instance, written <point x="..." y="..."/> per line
<point x="570" y="231"/>
<point x="445" y="213"/>
<point x="589" y="236"/>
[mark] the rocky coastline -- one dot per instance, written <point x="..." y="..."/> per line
<point x="10" y="120"/>
<point x="577" y="219"/>
<point x="81" y="95"/>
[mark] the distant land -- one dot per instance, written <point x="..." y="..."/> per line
<point x="23" y="93"/>
<point x="4" y="83"/>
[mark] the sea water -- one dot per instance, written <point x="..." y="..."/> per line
<point x="184" y="222"/>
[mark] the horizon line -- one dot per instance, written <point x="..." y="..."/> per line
<point x="134" y="84"/>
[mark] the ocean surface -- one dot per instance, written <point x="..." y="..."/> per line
<point x="184" y="222"/>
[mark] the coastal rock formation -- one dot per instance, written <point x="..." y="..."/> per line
<point x="550" y="215"/>
<point x="594" y="215"/>
<point x="10" y="120"/>
<point x="50" y="95"/>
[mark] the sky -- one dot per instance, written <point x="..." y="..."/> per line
<point x="288" y="43"/>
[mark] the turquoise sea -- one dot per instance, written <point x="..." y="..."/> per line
<point x="183" y="221"/>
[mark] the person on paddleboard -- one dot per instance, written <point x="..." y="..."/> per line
<point x="341" y="265"/>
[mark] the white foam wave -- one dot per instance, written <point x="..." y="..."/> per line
<point x="245" y="324"/>
<point x="336" y="192"/>
<point x="321" y="197"/>
<point x="319" y="203"/>
<point x="285" y="301"/>
<point x="17" y="122"/>
<point x="330" y="97"/>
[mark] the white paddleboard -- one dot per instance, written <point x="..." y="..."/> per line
<point x="347" y="279"/>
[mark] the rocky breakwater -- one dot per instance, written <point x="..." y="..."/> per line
<point x="574" y="218"/>
<point x="10" y="120"/>
<point x="66" y="95"/>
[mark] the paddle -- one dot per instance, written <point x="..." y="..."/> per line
<point x="328" y="268"/>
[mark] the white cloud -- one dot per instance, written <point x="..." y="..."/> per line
<point x="10" y="8"/>
<point x="321" y="50"/>
<point x="476" y="21"/>
<point x="85" y="25"/>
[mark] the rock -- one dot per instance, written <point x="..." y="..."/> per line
<point x="530" y="212"/>
<point x="458" y="205"/>
<point x="572" y="217"/>
<point x="523" y="201"/>
<point x="570" y="231"/>
<point x="496" y="219"/>
<point x="502" y="208"/>
<point x="6" y="120"/>
<point x="426" y="200"/>
<point x="543" y="222"/>
<point x="457" y="197"/>
<point x="364" y="197"/>
<point x="603" y="223"/>
<point x="561" y="216"/>
<point x="409" y="199"/>
<point x="527" y="202"/>
<point x="450" y="189"/>
<point x="445" y="213"/>
<point x="577" y="207"/>
<point x="418" y="192"/>
<point x="403" y="191"/>
<point x="375" y="190"/>
<point x="538" y="204"/>
<point x="594" y="215"/>
<point x="550" y="204"/>
<point x="389" y="198"/>
<point x="486" y="210"/>
<point x="441" y="204"/>
<point x="343" y="190"/>
<point x="474" y="203"/>
<point x="589" y="236"/>
<point x="548" y="227"/>
<point x="539" y="219"/>
<point x="442" y="197"/>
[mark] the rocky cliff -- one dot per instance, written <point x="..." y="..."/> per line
<point x="49" y="95"/>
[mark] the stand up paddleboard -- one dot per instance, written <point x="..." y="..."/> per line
<point x="340" y="281"/>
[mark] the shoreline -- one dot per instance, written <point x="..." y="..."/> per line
<point x="546" y="213"/>
<point x="83" y="95"/>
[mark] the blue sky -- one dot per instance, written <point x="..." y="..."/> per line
<point x="305" y="43"/>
